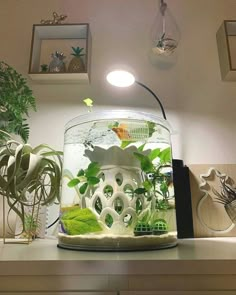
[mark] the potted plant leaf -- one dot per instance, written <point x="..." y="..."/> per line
<point x="16" y="100"/>
<point x="29" y="178"/>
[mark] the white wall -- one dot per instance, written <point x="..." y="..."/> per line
<point x="198" y="104"/>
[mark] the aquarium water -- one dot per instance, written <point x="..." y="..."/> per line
<point x="117" y="189"/>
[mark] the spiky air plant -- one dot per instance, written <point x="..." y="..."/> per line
<point x="227" y="197"/>
<point x="29" y="178"/>
<point x="227" y="194"/>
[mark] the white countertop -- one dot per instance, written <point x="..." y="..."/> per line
<point x="210" y="255"/>
<point x="187" y="249"/>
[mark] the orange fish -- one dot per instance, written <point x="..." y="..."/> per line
<point x="121" y="132"/>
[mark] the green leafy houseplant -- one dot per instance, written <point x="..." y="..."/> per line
<point x="16" y="100"/>
<point x="29" y="178"/>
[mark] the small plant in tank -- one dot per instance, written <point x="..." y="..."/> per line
<point x="156" y="188"/>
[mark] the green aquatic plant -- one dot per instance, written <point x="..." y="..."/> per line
<point x="79" y="221"/>
<point x="156" y="185"/>
<point x="86" y="178"/>
<point x="16" y="100"/>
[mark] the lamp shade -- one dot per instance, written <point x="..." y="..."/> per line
<point x="120" y="78"/>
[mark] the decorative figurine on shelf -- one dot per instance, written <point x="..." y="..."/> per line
<point x="57" y="64"/>
<point x="57" y="19"/>
<point x="76" y="65"/>
<point x="44" y="68"/>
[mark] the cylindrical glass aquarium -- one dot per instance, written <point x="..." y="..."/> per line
<point x="117" y="188"/>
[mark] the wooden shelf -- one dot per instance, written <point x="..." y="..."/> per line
<point x="73" y="78"/>
<point x="226" y="43"/>
<point x="47" y="39"/>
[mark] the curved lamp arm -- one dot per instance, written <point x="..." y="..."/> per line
<point x="157" y="99"/>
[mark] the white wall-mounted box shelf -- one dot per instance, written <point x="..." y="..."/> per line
<point x="226" y="42"/>
<point x="47" y="39"/>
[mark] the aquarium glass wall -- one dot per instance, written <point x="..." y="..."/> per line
<point x="117" y="188"/>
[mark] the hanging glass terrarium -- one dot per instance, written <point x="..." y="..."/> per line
<point x="117" y="189"/>
<point x="166" y="34"/>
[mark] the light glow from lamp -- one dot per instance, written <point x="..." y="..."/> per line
<point x="125" y="79"/>
<point x="120" y="78"/>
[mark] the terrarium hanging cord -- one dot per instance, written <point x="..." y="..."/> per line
<point x="163" y="7"/>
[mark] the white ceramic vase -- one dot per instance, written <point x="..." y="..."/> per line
<point x="120" y="175"/>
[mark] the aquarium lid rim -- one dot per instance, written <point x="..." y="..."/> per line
<point x="120" y="114"/>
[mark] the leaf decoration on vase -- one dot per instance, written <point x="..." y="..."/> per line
<point x="80" y="221"/>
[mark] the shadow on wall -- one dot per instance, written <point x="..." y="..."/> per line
<point x="163" y="62"/>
